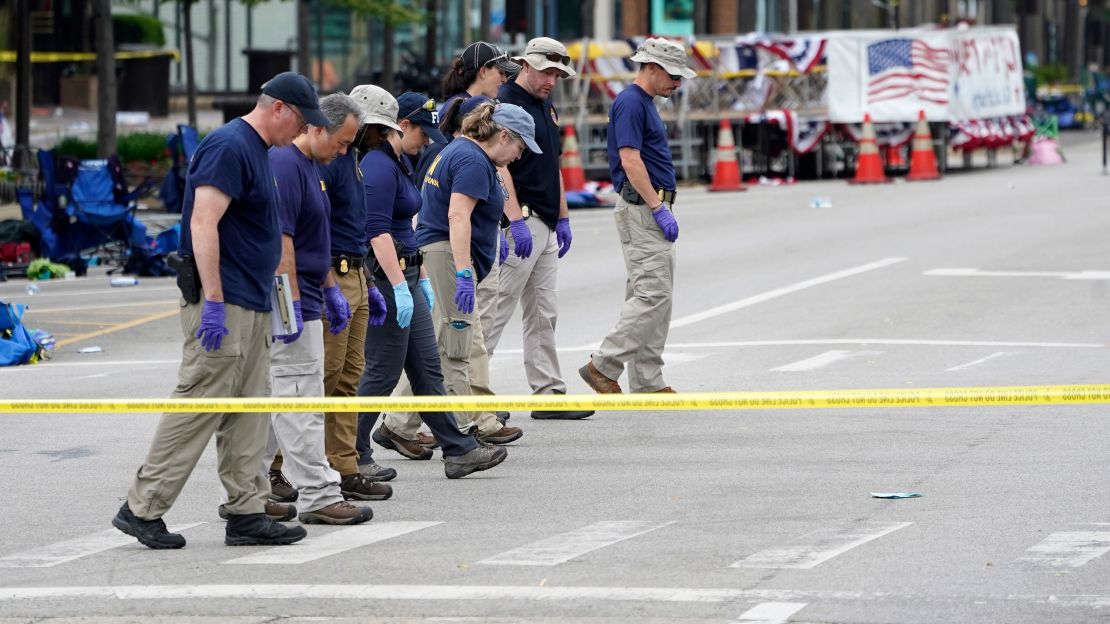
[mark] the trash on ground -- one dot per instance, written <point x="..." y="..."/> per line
<point x="125" y="281"/>
<point x="895" y="495"/>
<point x="31" y="290"/>
<point x="820" y="202"/>
<point x="90" y="350"/>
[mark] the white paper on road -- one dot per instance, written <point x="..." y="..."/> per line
<point x="813" y="549"/>
<point x="62" y="552"/>
<point x="319" y="546"/>
<point x="566" y="546"/>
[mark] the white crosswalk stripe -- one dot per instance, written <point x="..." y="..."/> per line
<point x="320" y="545"/>
<point x="770" y="613"/>
<point x="69" y="550"/>
<point x="1069" y="549"/>
<point x="564" y="547"/>
<point x="823" y="360"/>
<point x="813" y="549"/>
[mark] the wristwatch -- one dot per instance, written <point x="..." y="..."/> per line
<point x="465" y="273"/>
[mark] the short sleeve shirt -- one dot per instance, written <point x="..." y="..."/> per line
<point x="348" y="205"/>
<point x="305" y="214"/>
<point x="235" y="160"/>
<point x="391" y="199"/>
<point x="463" y="167"/>
<point x="634" y="122"/>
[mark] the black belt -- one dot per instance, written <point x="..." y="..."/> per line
<point x="415" y="259"/>
<point x="343" y="263"/>
<point x="630" y="195"/>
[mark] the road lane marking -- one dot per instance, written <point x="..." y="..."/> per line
<point x="76" y="293"/>
<point x="328" y="544"/>
<point x="770" y="613"/>
<point x="566" y="546"/>
<point x="107" y="306"/>
<point x="820" y="361"/>
<point x="780" y="292"/>
<point x="157" y="316"/>
<point x="1067" y="275"/>
<point x="738" y="344"/>
<point x="817" y="547"/>
<point x="62" y="552"/>
<point x="979" y="361"/>
<point x="1071" y="549"/>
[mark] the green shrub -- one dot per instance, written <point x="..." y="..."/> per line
<point x="76" y="148"/>
<point x="137" y="146"/>
<point x="133" y="28"/>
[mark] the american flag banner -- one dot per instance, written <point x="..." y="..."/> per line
<point x="907" y="69"/>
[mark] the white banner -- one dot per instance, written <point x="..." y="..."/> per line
<point x="952" y="75"/>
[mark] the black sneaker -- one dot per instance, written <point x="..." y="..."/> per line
<point x="258" y="530"/>
<point x="274" y="511"/>
<point x="484" y="457"/>
<point x="561" y="415"/>
<point x="150" y="533"/>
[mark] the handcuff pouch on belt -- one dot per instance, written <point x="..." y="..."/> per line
<point x="630" y="195"/>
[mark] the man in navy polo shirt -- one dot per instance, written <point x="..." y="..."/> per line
<point x="643" y="174"/>
<point x="230" y="228"/>
<point x="538" y="221"/>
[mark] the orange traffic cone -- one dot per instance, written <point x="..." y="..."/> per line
<point x="869" y="166"/>
<point x="923" y="160"/>
<point x="726" y="174"/>
<point x="574" y="177"/>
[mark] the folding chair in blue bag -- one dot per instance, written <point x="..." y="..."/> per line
<point x="17" y="346"/>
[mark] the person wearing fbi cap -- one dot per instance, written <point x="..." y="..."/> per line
<point x="538" y="220"/>
<point x="231" y="233"/>
<point x="643" y="174"/>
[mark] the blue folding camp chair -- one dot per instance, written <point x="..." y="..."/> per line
<point x="181" y="145"/>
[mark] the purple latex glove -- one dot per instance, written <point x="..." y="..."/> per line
<point x="503" y="253"/>
<point x="212" y="330"/>
<point x="562" y="234"/>
<point x="336" y="309"/>
<point x="664" y="218"/>
<point x="522" y="238"/>
<point x="464" y="293"/>
<point x="291" y="338"/>
<point x="377" y="307"/>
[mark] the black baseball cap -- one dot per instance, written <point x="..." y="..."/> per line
<point x="479" y="54"/>
<point x="296" y="89"/>
<point x="420" y="110"/>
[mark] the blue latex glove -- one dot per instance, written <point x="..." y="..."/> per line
<point x="464" y="293"/>
<point x="665" y="219"/>
<point x="503" y="253"/>
<point x="377" y="307"/>
<point x="212" y="331"/>
<point x="291" y="338"/>
<point x="336" y="309"/>
<point x="562" y="234"/>
<point x="522" y="238"/>
<point x="403" y="298"/>
<point x="426" y="287"/>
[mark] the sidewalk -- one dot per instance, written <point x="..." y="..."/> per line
<point x="47" y="130"/>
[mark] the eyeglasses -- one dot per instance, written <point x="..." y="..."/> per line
<point x="504" y="189"/>
<point x="555" y="57"/>
<point x="304" y="124"/>
<point x="429" y="106"/>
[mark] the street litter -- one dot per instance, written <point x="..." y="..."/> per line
<point x="820" y="202"/>
<point x="895" y="495"/>
<point x="90" y="350"/>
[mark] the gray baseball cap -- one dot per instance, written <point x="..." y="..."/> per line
<point x="666" y="54"/>
<point x="516" y="119"/>
<point x="377" y="106"/>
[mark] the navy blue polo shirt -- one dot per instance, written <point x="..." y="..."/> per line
<point x="304" y="216"/>
<point x="634" y="122"/>
<point x="462" y="167"/>
<point x="536" y="176"/>
<point x="391" y="199"/>
<point x="235" y="159"/>
<point x="348" y="205"/>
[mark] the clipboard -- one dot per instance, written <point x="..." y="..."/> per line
<point x="283" y="318"/>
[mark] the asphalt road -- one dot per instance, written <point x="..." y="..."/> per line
<point x="756" y="516"/>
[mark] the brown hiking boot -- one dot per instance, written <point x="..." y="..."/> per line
<point x="358" y="487"/>
<point x="281" y="490"/>
<point x="665" y="390"/>
<point x="504" y="435"/>
<point x="274" y="511"/>
<point x="409" y="448"/>
<point x="337" y="513"/>
<point x="425" y="440"/>
<point x="600" y="383"/>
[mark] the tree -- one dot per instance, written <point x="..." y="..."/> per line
<point x="391" y="14"/>
<point x="106" y="96"/>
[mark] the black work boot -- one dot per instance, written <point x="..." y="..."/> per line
<point x="150" y="533"/>
<point x="258" y="530"/>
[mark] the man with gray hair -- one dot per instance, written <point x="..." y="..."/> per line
<point x="643" y="173"/>
<point x="297" y="360"/>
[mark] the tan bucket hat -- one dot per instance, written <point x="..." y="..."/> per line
<point x="667" y="54"/>
<point x="544" y="53"/>
<point x="377" y="106"/>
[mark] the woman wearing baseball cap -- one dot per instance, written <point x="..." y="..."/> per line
<point x="480" y="70"/>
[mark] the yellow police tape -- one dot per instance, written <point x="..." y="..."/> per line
<point x="810" y="399"/>
<point x="9" y="56"/>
